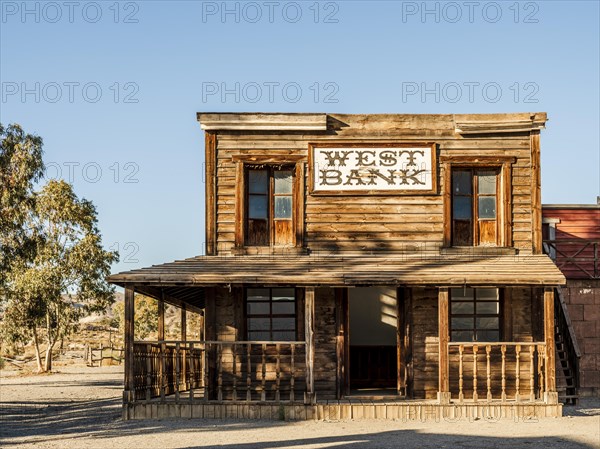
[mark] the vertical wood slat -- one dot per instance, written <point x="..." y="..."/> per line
<point x="536" y="193"/>
<point x="461" y="395"/>
<point x="531" y="373"/>
<point x="277" y="372"/>
<point x="234" y="372"/>
<point x="503" y="350"/>
<point x="292" y="373"/>
<point x="184" y="373"/>
<point x="309" y="304"/>
<point x="207" y="350"/>
<point x="518" y="372"/>
<point x="219" y="372"/>
<point x="177" y="370"/>
<point x="191" y="373"/>
<point x="488" y="350"/>
<point x="248" y="373"/>
<point x="263" y="370"/>
<point x="210" y="144"/>
<point x="129" y="313"/>
<point x="163" y="370"/>
<point x="148" y="371"/>
<point x="443" y="331"/>
<point x="475" y="349"/>
<point x="550" y="375"/>
<point x="541" y="350"/>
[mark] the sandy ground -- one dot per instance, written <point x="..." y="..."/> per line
<point x="79" y="407"/>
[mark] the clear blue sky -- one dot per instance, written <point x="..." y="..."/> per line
<point x="113" y="88"/>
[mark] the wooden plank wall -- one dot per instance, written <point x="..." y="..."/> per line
<point x="325" y="369"/>
<point x="425" y="343"/>
<point x="365" y="223"/>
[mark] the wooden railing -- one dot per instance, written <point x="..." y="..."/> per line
<point x="567" y="346"/>
<point x="576" y="258"/>
<point x="221" y="371"/>
<point x="490" y="371"/>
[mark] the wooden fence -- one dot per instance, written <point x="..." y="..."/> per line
<point x="103" y="355"/>
<point x="504" y="370"/>
<point x="222" y="371"/>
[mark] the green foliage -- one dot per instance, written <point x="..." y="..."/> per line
<point x="21" y="166"/>
<point x="62" y="276"/>
<point x="146" y="316"/>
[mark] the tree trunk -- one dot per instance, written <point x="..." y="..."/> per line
<point x="48" y="360"/>
<point x="38" y="357"/>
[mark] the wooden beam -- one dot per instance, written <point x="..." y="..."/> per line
<point x="240" y="203"/>
<point x="210" y="150"/>
<point x="161" y="320"/>
<point x="341" y="334"/>
<point x="536" y="194"/>
<point x="128" y="393"/>
<point x="447" y="195"/>
<point x="550" y="395"/>
<point x="183" y="324"/>
<point x="309" y="313"/>
<point x="443" y="331"/>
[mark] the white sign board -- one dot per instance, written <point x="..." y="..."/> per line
<point x="363" y="168"/>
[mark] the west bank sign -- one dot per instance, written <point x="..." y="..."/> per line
<point x="372" y="169"/>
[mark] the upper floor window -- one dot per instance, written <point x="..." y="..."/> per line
<point x="475" y="314"/>
<point x="475" y="207"/>
<point x="269" y="206"/>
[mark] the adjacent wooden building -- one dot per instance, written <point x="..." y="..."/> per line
<point x="385" y="266"/>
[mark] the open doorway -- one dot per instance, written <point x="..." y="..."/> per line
<point x="373" y="320"/>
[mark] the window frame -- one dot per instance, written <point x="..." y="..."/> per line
<point x="475" y="315"/>
<point x="296" y="165"/>
<point x="504" y="237"/>
<point x="475" y="195"/>
<point x="296" y="315"/>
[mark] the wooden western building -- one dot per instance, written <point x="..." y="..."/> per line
<point x="386" y="266"/>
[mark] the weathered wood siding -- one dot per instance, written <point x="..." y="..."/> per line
<point x="364" y="223"/>
<point x="425" y="343"/>
<point x="325" y="368"/>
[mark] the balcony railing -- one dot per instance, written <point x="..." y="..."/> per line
<point x="500" y="370"/>
<point x="222" y="371"/>
<point x="576" y="258"/>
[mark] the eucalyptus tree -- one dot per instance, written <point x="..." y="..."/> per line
<point x="60" y="277"/>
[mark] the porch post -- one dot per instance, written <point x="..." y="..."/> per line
<point x="443" y="367"/>
<point x="161" y="320"/>
<point x="550" y="394"/>
<point x="128" y="331"/>
<point x="309" y="313"/>
<point x="183" y="324"/>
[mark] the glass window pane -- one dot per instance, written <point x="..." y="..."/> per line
<point x="491" y="336"/>
<point x="462" y="307"/>
<point x="258" y="181"/>
<point x="284" y="294"/>
<point x="257" y="294"/>
<point x="487" y="207"/>
<point x="284" y="308"/>
<point x="462" y="336"/>
<point x="284" y="336"/>
<point x="284" y="324"/>
<point x="487" y="323"/>
<point x="462" y="323"/>
<point x="259" y="324"/>
<point x="259" y="336"/>
<point x="461" y="207"/>
<point x="488" y="307"/>
<point x="258" y="207"/>
<point x="461" y="182"/>
<point x="462" y="294"/>
<point x="487" y="294"/>
<point x="283" y="181"/>
<point x="486" y="182"/>
<point x="283" y="207"/>
<point x="258" y="308"/>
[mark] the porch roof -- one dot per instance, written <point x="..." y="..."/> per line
<point x="318" y="270"/>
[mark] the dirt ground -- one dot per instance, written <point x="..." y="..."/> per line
<point x="79" y="407"/>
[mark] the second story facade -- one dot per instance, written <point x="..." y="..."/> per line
<point x="372" y="184"/>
